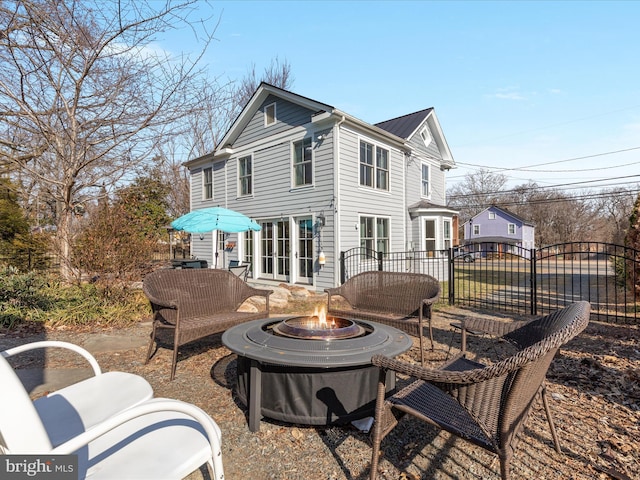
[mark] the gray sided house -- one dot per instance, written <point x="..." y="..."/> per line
<point x="320" y="181"/>
<point x="497" y="230"/>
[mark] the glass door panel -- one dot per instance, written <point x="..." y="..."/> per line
<point x="283" y="253"/>
<point x="305" y="250"/>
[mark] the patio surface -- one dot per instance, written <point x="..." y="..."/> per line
<point x="594" y="384"/>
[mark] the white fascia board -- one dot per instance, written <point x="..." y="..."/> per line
<point x="260" y="95"/>
<point x="374" y="131"/>
<point x="421" y="211"/>
<point x="263" y="143"/>
<point x="441" y="141"/>
<point x="434" y="126"/>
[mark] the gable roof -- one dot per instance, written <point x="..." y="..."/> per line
<point x="259" y="96"/>
<point x="405" y="125"/>
<point x="396" y="131"/>
<point x="505" y="212"/>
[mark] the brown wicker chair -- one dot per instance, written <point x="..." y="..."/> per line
<point x="401" y="300"/>
<point x="196" y="303"/>
<point x="486" y="405"/>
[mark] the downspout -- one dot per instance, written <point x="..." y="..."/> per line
<point x="336" y="207"/>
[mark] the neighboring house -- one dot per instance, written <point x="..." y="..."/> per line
<point x="497" y="230"/>
<point x="320" y="181"/>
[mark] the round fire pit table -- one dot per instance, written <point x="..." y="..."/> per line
<point x="310" y="381"/>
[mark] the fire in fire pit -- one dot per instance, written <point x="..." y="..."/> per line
<point x="318" y="327"/>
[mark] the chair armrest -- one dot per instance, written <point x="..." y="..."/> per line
<point x="54" y="344"/>
<point x="258" y="292"/>
<point x="490" y="326"/>
<point x="452" y="378"/>
<point x="430" y="301"/>
<point x="164" y="303"/>
<point x="151" y="406"/>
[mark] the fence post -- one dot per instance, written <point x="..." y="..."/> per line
<point x="534" y="281"/>
<point x="342" y="269"/>
<point x="451" y="283"/>
<point x="379" y="261"/>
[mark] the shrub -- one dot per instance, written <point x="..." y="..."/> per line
<point x="34" y="297"/>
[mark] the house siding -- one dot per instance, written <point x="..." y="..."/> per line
<point x="288" y="115"/>
<point x="335" y="193"/>
<point x="357" y="201"/>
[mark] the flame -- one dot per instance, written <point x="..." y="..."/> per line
<point x="321" y="313"/>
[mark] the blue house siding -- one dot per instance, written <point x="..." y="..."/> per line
<point x="494" y="224"/>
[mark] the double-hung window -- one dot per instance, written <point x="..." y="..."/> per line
<point x="270" y="114"/>
<point x="374" y="172"/>
<point x="425" y="185"/>
<point x="446" y="233"/>
<point x="366" y="164"/>
<point x="207" y="183"/>
<point x="302" y="163"/>
<point x="430" y="235"/>
<point x="382" y="168"/>
<point x="374" y="233"/>
<point x="245" y="175"/>
<point x="511" y="228"/>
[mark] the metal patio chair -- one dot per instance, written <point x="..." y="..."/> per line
<point x="156" y="438"/>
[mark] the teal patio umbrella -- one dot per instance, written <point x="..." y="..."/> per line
<point x="206" y="220"/>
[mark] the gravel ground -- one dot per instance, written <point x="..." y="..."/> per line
<point x="594" y="385"/>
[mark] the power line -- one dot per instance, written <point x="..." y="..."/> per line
<point x="539" y="187"/>
<point x="527" y="167"/>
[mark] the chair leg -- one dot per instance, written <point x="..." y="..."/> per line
<point x="377" y="426"/>
<point x="545" y="402"/>
<point x="174" y="360"/>
<point x="504" y="468"/>
<point x="152" y="341"/>
<point x="431" y="333"/>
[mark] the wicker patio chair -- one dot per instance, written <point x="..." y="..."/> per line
<point x="398" y="299"/>
<point x="194" y="303"/>
<point x="484" y="404"/>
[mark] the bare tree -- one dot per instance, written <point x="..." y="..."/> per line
<point x="84" y="97"/>
<point x="219" y="104"/>
<point x="614" y="206"/>
<point x="478" y="190"/>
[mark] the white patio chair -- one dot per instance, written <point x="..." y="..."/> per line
<point x="156" y="439"/>
<point x="71" y="410"/>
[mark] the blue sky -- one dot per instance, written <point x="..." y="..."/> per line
<point x="514" y="83"/>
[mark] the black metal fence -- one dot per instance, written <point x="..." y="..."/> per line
<point x="514" y="279"/>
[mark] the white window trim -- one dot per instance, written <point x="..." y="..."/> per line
<point x="275" y="114"/>
<point x="425" y="134"/>
<point x="515" y="230"/>
<point x="292" y="149"/>
<point x="428" y="195"/>
<point x="239" y="183"/>
<point x="375" y="145"/>
<point x="204" y="184"/>
<point x="492" y="215"/>
<point x="473" y="228"/>
<point x="375" y="233"/>
<point x="446" y="220"/>
<point x="438" y="232"/>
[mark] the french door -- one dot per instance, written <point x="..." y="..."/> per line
<point x="276" y="250"/>
<point x="304" y="252"/>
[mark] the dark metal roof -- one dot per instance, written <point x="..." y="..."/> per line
<point x="404" y="126"/>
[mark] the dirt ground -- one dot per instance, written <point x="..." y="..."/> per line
<point x="594" y="384"/>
